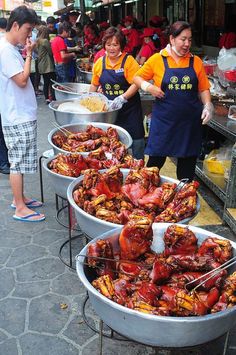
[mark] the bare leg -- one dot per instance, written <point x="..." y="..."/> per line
<point x="19" y="200"/>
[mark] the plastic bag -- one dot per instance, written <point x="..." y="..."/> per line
<point x="227" y="59"/>
<point x="73" y="107"/>
<point x="209" y="65"/>
<point x="232" y="112"/>
<point x="218" y="160"/>
<point x="226" y="62"/>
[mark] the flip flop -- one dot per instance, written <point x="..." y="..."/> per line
<point x="32" y="204"/>
<point x="28" y="217"/>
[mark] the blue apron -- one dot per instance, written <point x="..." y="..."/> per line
<point x="176" y="128"/>
<point x="113" y="84"/>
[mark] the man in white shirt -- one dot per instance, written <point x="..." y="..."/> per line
<point x="18" y="109"/>
<point x="4" y="163"/>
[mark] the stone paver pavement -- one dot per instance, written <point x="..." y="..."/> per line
<point x="40" y="298"/>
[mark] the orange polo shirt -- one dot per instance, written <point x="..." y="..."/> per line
<point x="153" y="69"/>
<point x="130" y="68"/>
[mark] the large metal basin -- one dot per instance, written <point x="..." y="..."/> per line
<point x="64" y="118"/>
<point x="86" y="76"/>
<point x="78" y="89"/>
<point x="94" y="226"/>
<point x="59" y="183"/>
<point x="124" y="136"/>
<point x="157" y="330"/>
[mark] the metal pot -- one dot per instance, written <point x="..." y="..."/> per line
<point x="145" y="96"/>
<point x="124" y="136"/>
<point x="59" y="183"/>
<point x="86" y="76"/>
<point x="78" y="89"/>
<point x="94" y="226"/>
<point x="151" y="329"/>
<point x="63" y="118"/>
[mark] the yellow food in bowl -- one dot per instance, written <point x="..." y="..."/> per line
<point x="94" y="104"/>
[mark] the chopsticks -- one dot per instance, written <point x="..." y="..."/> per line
<point x="212" y="273"/>
<point x="110" y="269"/>
<point x="112" y="260"/>
<point x="101" y="258"/>
<point x="63" y="86"/>
<point x="62" y="129"/>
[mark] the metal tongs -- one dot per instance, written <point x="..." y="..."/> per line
<point x="212" y="273"/>
<point x="179" y="187"/>
<point x="63" y="86"/>
<point x="100" y="258"/>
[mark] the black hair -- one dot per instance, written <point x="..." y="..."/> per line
<point x="177" y="27"/>
<point x="3" y="23"/>
<point x="64" y="17"/>
<point x="72" y="33"/>
<point x="22" y="15"/>
<point x="64" y="26"/>
<point x="50" y="19"/>
<point x="79" y="25"/>
<point x="114" y="32"/>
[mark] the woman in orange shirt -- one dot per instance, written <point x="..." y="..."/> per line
<point x="114" y="72"/>
<point x="182" y="105"/>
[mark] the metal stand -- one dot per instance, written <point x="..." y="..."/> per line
<point x="47" y="154"/>
<point x="64" y="205"/>
<point x="110" y="333"/>
<point x="70" y="230"/>
<point x="41" y="177"/>
<point x="226" y="343"/>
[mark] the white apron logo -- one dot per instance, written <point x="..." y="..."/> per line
<point x="186" y="79"/>
<point x="121" y="70"/>
<point x="174" y="79"/>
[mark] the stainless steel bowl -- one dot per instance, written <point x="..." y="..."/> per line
<point x="86" y="76"/>
<point x="59" y="183"/>
<point x="145" y="96"/>
<point x="78" y="89"/>
<point x="94" y="226"/>
<point x="151" y="329"/>
<point x="124" y="136"/>
<point x="64" y="118"/>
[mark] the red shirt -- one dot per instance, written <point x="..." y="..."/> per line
<point x="58" y="45"/>
<point x="99" y="54"/>
<point x="132" y="40"/>
<point x="228" y="40"/>
<point x="147" y="50"/>
<point x="163" y="38"/>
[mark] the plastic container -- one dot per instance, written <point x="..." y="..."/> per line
<point x="221" y="109"/>
<point x="210" y="68"/>
<point x="210" y="65"/>
<point x="232" y="112"/>
<point x="214" y="164"/>
<point x="230" y="75"/>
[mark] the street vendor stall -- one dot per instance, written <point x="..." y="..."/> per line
<point x="220" y="175"/>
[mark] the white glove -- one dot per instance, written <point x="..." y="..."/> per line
<point x="207" y="112"/>
<point x="118" y="102"/>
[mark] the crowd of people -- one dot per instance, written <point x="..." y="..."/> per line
<point x="126" y="57"/>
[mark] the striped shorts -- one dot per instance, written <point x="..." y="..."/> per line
<point x="21" y="141"/>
